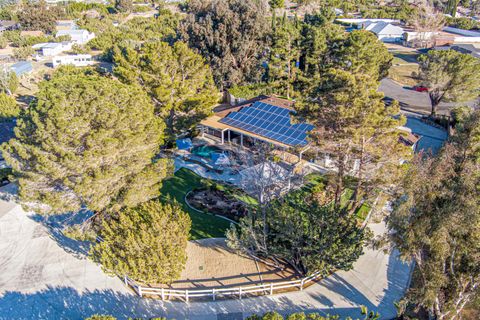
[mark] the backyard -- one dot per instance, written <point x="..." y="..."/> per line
<point x="203" y="225"/>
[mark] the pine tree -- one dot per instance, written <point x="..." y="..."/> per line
<point x="87" y="141"/>
<point x="284" y="55"/>
<point x="146" y="243"/>
<point x="177" y="79"/>
<point x="358" y="130"/>
<point x="449" y="76"/>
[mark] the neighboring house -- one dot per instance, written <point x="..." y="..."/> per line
<point x="386" y="32"/>
<point x="6" y="25"/>
<point x="77" y="60"/>
<point x="472" y="49"/>
<point x="66" y="25"/>
<point x="260" y="120"/>
<point x="21" y="68"/>
<point x="32" y="33"/>
<point x="50" y="49"/>
<point x="80" y="36"/>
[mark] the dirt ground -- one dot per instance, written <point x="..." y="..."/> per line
<point x="212" y="264"/>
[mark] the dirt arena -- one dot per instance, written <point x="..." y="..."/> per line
<point x="211" y="264"/>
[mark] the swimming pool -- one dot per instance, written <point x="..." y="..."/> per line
<point x="205" y="151"/>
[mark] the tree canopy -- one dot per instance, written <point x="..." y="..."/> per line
<point x="146" y="243"/>
<point x="87" y="141"/>
<point x="230" y="34"/>
<point x="436" y="224"/>
<point x="177" y="79"/>
<point x="8" y="106"/>
<point x="357" y="129"/>
<point x="303" y="233"/>
<point x="36" y="15"/>
<point x="449" y="76"/>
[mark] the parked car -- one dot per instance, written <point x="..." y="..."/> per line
<point x="420" y="89"/>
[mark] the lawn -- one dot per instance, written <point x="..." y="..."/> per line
<point x="203" y="225"/>
<point x="403" y="64"/>
<point x="315" y="179"/>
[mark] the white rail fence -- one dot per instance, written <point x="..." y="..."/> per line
<point x="235" y="292"/>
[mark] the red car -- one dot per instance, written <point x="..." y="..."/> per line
<point x="420" y="88"/>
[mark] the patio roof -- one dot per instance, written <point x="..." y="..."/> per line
<point x="213" y="122"/>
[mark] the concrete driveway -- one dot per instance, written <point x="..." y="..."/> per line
<point x="413" y="100"/>
<point x="46" y="276"/>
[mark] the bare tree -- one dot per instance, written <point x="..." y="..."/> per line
<point x="266" y="178"/>
<point x="426" y="21"/>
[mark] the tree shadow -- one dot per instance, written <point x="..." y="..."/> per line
<point x="56" y="224"/>
<point x="68" y="303"/>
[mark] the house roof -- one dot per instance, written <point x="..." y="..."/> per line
<point x="21" y="67"/>
<point x="264" y="117"/>
<point x="383" y="28"/>
<point x="47" y="45"/>
<point x="79" y="32"/>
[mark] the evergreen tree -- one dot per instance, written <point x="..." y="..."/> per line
<point x="177" y="79"/>
<point x="87" y="141"/>
<point x="284" y="55"/>
<point x="305" y="234"/>
<point x="449" y="76"/>
<point x="8" y="106"/>
<point x="231" y="35"/>
<point x="436" y="224"/>
<point x="358" y="129"/>
<point x="146" y="243"/>
<point x="36" y="15"/>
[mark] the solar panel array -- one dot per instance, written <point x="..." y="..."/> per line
<point x="269" y="121"/>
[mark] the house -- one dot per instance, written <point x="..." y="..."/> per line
<point x="6" y="25"/>
<point x="21" y="68"/>
<point x="66" y="25"/>
<point x="77" y="60"/>
<point x="472" y="49"/>
<point x="32" y="33"/>
<point x="386" y="32"/>
<point x="80" y="36"/>
<point x="50" y="49"/>
<point x="265" y="119"/>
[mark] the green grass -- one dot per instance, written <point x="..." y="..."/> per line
<point x="404" y="57"/>
<point x="314" y="179"/>
<point x="203" y="224"/>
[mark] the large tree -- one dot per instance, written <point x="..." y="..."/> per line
<point x="146" y="243"/>
<point x="284" y="55"/>
<point x="357" y="129"/>
<point x="436" y="224"/>
<point x="449" y="76"/>
<point x="177" y="79"/>
<point x="36" y="15"/>
<point x="305" y="234"/>
<point x="87" y="141"/>
<point x="230" y="34"/>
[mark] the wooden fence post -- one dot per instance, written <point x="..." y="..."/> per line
<point x="163" y="294"/>
<point x="139" y="291"/>
<point x="213" y="294"/>
<point x="301" y="284"/>
<point x="126" y="281"/>
<point x="186" y="295"/>
<point x="240" y="293"/>
<point x="271" y="288"/>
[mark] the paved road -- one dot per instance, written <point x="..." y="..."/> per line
<point x="45" y="276"/>
<point x="413" y="100"/>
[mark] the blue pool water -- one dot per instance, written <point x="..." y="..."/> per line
<point x="205" y="151"/>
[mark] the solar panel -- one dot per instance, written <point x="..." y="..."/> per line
<point x="269" y="121"/>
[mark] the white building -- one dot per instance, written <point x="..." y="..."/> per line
<point x="50" y="49"/>
<point x="80" y="36"/>
<point x="386" y="32"/>
<point x="78" y="60"/>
